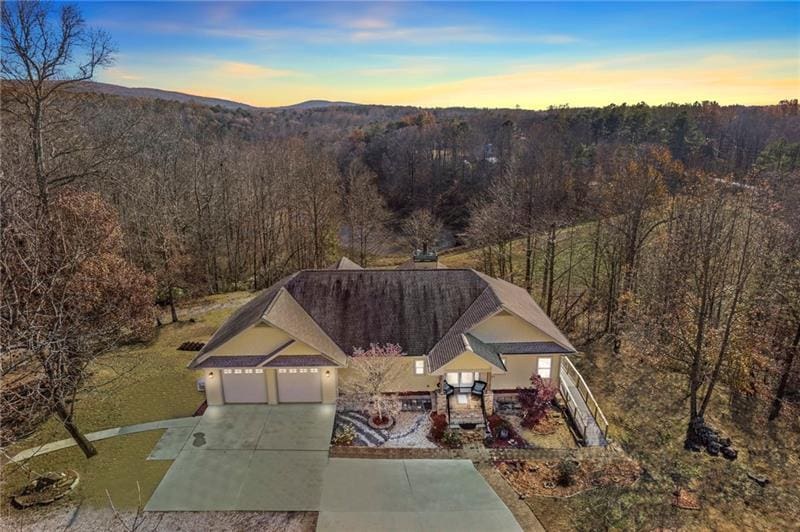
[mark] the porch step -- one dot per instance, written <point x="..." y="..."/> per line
<point x="458" y="419"/>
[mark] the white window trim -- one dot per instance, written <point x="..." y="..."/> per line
<point x="460" y="378"/>
<point x="419" y="367"/>
<point x="543" y="367"/>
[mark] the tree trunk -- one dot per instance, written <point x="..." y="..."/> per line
<point x="777" y="403"/>
<point x="172" y="310"/>
<point x="551" y="264"/>
<point x="65" y="417"/>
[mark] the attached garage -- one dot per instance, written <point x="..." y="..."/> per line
<point x="299" y="385"/>
<point x="244" y="385"/>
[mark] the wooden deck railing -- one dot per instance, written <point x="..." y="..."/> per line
<point x="586" y="394"/>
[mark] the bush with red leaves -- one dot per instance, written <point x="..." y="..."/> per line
<point x="535" y="401"/>
<point x="438" y="426"/>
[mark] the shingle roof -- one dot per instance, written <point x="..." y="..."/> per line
<point x="248" y="314"/>
<point x="529" y="348"/>
<point x="485" y="351"/>
<point x="299" y="361"/>
<point x="425" y="311"/>
<point x="245" y="361"/>
<point x="413" y="308"/>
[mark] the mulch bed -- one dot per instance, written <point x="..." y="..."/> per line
<point x="201" y="409"/>
<point x="46" y="488"/>
<point x="534" y="478"/>
<point x="686" y="499"/>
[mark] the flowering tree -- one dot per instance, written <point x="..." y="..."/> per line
<point x="373" y="372"/>
<point x="535" y="400"/>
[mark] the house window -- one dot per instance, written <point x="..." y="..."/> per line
<point x="419" y="367"/>
<point x="259" y="370"/>
<point x="293" y="370"/>
<point x="462" y="379"/>
<point x="248" y="371"/>
<point x="314" y="370"/>
<point x="227" y="371"/>
<point x="237" y="371"/>
<point x="282" y="370"/>
<point x="303" y="370"/>
<point x="543" y="367"/>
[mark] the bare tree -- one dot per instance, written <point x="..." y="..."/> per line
<point x="696" y="298"/>
<point x="422" y="228"/>
<point x="373" y="373"/>
<point x="364" y="212"/>
<point x="45" y="51"/>
<point x="67" y="296"/>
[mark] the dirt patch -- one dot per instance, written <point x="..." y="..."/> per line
<point x="566" y="478"/>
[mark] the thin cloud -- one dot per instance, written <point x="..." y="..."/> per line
<point x="239" y="70"/>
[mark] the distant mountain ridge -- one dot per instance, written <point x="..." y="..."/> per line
<point x="160" y="94"/>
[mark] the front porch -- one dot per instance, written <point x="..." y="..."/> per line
<point x="465" y="397"/>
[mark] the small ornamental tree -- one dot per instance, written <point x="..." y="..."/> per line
<point x="373" y="372"/>
<point x="535" y="400"/>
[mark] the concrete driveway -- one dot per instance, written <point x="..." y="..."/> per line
<point x="275" y="458"/>
<point x="409" y="495"/>
<point x="246" y="457"/>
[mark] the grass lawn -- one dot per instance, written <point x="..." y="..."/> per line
<point x="579" y="236"/>
<point x="149" y="382"/>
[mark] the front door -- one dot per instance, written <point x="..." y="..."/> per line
<point x="461" y="379"/>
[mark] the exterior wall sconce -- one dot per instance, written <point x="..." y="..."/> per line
<point x="327" y="373"/>
<point x="210" y="374"/>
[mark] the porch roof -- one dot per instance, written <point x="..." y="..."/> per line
<point x="245" y="361"/>
<point x="529" y="348"/>
<point x="300" y="361"/>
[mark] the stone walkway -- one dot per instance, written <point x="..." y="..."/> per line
<point x="180" y="422"/>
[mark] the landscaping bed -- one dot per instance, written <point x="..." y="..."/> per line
<point x="553" y="432"/>
<point x="567" y="477"/>
<point x="410" y="430"/>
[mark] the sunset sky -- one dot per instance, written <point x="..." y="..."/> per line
<point x="457" y="54"/>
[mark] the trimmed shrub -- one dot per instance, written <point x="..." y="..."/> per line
<point x="451" y="439"/>
<point x="344" y="435"/>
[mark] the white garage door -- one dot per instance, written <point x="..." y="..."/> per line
<point x="299" y="385"/>
<point x="244" y="385"/>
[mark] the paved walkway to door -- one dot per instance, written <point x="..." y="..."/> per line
<point x="247" y="457"/>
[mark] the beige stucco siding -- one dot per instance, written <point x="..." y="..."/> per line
<point x="299" y="348"/>
<point x="520" y="369"/>
<point x="213" y="378"/>
<point x="506" y="327"/>
<point x="329" y="384"/>
<point x="406" y="380"/>
<point x="257" y="340"/>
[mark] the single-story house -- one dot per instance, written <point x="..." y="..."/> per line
<point x="291" y="343"/>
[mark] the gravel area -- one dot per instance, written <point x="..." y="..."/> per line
<point x="410" y="430"/>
